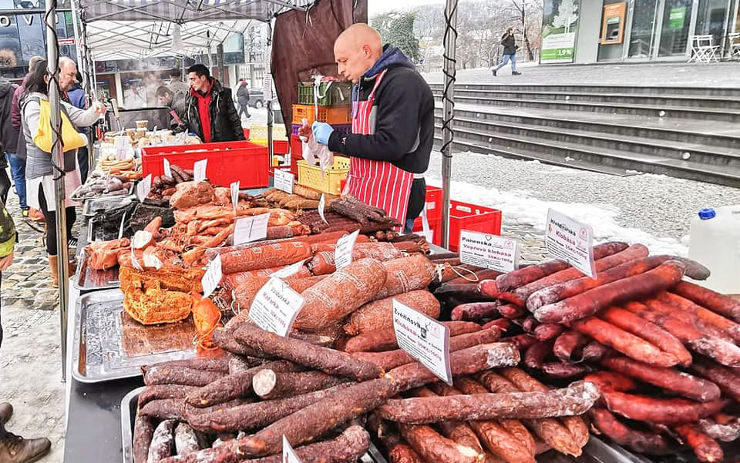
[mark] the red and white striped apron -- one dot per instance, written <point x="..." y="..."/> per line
<point x="377" y="183"/>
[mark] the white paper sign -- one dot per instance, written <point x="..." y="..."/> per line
<point x="144" y="187"/>
<point x="322" y="206"/>
<point x="424" y="339"/>
<point x="283" y="180"/>
<point x="289" y="455"/>
<point x="289" y="270"/>
<point x="275" y="307"/>
<point x="199" y="170"/>
<point x="428" y="233"/>
<point x="167" y="169"/>
<point x="212" y="277"/>
<point x="343" y="251"/>
<point x="235" y="195"/>
<point x="134" y="262"/>
<point x="248" y="229"/>
<point x="571" y="241"/>
<point x="489" y="251"/>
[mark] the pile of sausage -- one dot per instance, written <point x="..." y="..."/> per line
<point x="663" y="351"/>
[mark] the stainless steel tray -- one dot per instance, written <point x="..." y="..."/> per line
<point x="130" y="403"/>
<point x="88" y="279"/>
<point x="99" y="350"/>
<point x="104" y="203"/>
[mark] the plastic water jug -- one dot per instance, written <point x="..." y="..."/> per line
<point x="715" y="242"/>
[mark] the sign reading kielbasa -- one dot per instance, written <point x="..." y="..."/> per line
<point x="569" y="240"/>
<point x="275" y="307"/>
<point x="489" y="251"/>
<point x="424" y="339"/>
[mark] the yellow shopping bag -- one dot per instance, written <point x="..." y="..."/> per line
<point x="71" y="140"/>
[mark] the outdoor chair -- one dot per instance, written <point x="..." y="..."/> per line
<point x="733" y="42"/>
<point x="703" y="49"/>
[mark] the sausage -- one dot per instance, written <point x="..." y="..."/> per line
<point x="347" y="447"/>
<point x="163" y="441"/>
<point x="705" y="316"/>
<point x="329" y="361"/>
<point x="477" y="276"/>
<point x="323" y="262"/>
<point x="180" y="375"/>
<point x="535" y="355"/>
<point x="247" y="287"/>
<point x="511" y="311"/>
<point x="611" y="381"/>
<point x="640" y="441"/>
<point x="547" y="331"/>
<point x="727" y="379"/>
<point x="589" y="302"/>
<point x="163" y="391"/>
<point x="718" y="303"/>
<point x="644" y="329"/>
<point x="240" y="364"/>
<point x="661" y="411"/>
<point x="593" y="351"/>
<point x="266" y="256"/>
<point x="433" y="447"/>
<point x="406" y="274"/>
<point x="457" y="431"/>
<point x="521" y="341"/>
<point x="340" y="294"/>
<point x="385" y="339"/>
<point x="468" y="292"/>
<point x="185" y="439"/>
<point x="395" y="358"/>
<point x="568" y="343"/>
<point x="528" y="324"/>
<point x="562" y="370"/>
<point x="705" y="448"/>
<point x="577" y="428"/>
<point x="475" y="311"/>
<point x="142" y="440"/>
<point x="220" y="364"/>
<point x="379" y="314"/>
<point x="164" y="409"/>
<point x="624" y="342"/>
<point x="722" y="427"/>
<point x="269" y="384"/>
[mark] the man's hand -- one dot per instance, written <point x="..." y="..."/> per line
<point x="321" y="132"/>
<point x="99" y="107"/>
<point x="6" y="261"/>
<point x="305" y="131"/>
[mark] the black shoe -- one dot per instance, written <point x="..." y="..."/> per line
<point x="6" y="411"/>
<point x="514" y="73"/>
<point x="494" y="72"/>
<point x="15" y="449"/>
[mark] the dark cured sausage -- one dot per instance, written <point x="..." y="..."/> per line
<point x="639" y="441"/>
<point x="431" y="446"/>
<point x="568" y="343"/>
<point x="385" y="339"/>
<point x="705" y="448"/>
<point x="727" y="379"/>
<point x="164" y="391"/>
<point x="547" y="331"/>
<point x="703" y="315"/>
<point x="458" y="431"/>
<point x="535" y="354"/>
<point x="143" y="433"/>
<point x="270" y="385"/>
<point x="348" y="446"/>
<point x="475" y="311"/>
<point x="611" y="381"/>
<point x="163" y="441"/>
<point x="661" y="411"/>
<point x="562" y="370"/>
<point x="631" y="288"/>
<point x="186" y="441"/>
<point x="180" y="375"/>
<point x="718" y="303"/>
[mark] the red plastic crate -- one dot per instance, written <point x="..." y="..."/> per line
<point x="227" y="162"/>
<point x="463" y="216"/>
<point x="435" y="226"/>
<point x="296" y="153"/>
<point x="246" y="134"/>
<point x="433" y="200"/>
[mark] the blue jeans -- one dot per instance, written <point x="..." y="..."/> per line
<point x="409" y="226"/>
<point x="506" y="60"/>
<point x="18" y="171"/>
<point x="83" y="162"/>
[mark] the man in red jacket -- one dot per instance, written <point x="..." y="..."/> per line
<point x="210" y="112"/>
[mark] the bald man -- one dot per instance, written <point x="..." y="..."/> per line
<point x="392" y="125"/>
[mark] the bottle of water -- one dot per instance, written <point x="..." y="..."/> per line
<point x="715" y="243"/>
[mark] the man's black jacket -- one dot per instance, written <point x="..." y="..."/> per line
<point x="225" y="122"/>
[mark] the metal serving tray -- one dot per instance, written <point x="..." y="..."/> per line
<point x="104" y="203"/>
<point x="128" y="416"/>
<point x="109" y="345"/>
<point x="88" y="279"/>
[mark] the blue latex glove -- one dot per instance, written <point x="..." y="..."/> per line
<point x="321" y="132"/>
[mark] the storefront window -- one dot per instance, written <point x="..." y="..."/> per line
<point x="710" y="19"/>
<point x="643" y="28"/>
<point x="676" y="24"/>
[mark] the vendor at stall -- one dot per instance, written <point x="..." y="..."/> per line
<point x="392" y="125"/>
<point x="210" y="112"/>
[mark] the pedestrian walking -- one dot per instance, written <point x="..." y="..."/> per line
<point x="242" y="97"/>
<point x="509" y="43"/>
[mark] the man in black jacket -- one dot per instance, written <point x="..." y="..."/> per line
<point x="209" y="108"/>
<point x="509" y="43"/>
<point x="401" y="120"/>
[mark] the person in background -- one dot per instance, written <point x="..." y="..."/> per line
<point x="40" y="172"/>
<point x="210" y="112"/>
<point x="176" y="103"/>
<point x="176" y="85"/>
<point x="18" y="158"/>
<point x="392" y="125"/>
<point x="8" y="142"/>
<point x="13" y="449"/>
<point x="509" y="43"/>
<point x="242" y="97"/>
<point x="73" y="94"/>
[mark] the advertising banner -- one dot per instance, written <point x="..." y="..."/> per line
<point x="559" y="26"/>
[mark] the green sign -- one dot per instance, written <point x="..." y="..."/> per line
<point x="677" y="17"/>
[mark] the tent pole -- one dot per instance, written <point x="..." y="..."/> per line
<point x="52" y="54"/>
<point x="448" y="112"/>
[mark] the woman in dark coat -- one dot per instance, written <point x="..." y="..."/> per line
<point x="509" y="43"/>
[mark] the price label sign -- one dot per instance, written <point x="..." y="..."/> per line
<point x="283" y="180"/>
<point x="322" y="206"/>
<point x="289" y="455"/>
<point x="424" y="339"/>
<point x="199" y="170"/>
<point x="275" y="307"/>
<point x="250" y="229"/>
<point x="212" y="277"/>
<point x="167" y="168"/>
<point x="343" y="251"/>
<point x="235" y="195"/>
<point x="144" y="187"/>
<point x="489" y="251"/>
<point x="569" y="240"/>
<point x="289" y="270"/>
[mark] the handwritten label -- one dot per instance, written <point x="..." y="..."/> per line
<point x="167" y="168"/>
<point x="489" y="251"/>
<point x="199" y="170"/>
<point x="143" y="188"/>
<point x="250" y="229"/>
<point x="289" y="270"/>
<point x="569" y="240"/>
<point x="343" y="251"/>
<point x="424" y="339"/>
<point x="283" y="180"/>
<point x="289" y="455"/>
<point x="235" y="195"/>
<point x="212" y="277"/>
<point x="322" y="206"/>
<point x="275" y="307"/>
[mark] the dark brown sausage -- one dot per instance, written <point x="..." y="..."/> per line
<point x="718" y="303"/>
<point x="567" y="344"/>
<point x="705" y="448"/>
<point x="639" y="441"/>
<point x="727" y="379"/>
<point x="143" y="433"/>
<point x="164" y="391"/>
<point x="180" y="375"/>
<point x="269" y="384"/>
<point x="163" y="441"/>
<point x="661" y="411"/>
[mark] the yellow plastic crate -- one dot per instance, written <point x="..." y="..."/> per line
<point x="329" y="181"/>
<point x="259" y="132"/>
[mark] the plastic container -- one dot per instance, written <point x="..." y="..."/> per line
<point x="341" y="115"/>
<point x="227" y="162"/>
<point x="278" y="146"/>
<point x="715" y="243"/>
<point x="329" y="181"/>
<point x="334" y="93"/>
<point x="259" y="132"/>
<point x="296" y="153"/>
<point x="463" y="216"/>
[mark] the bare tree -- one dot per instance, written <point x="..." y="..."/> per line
<point x="529" y="14"/>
